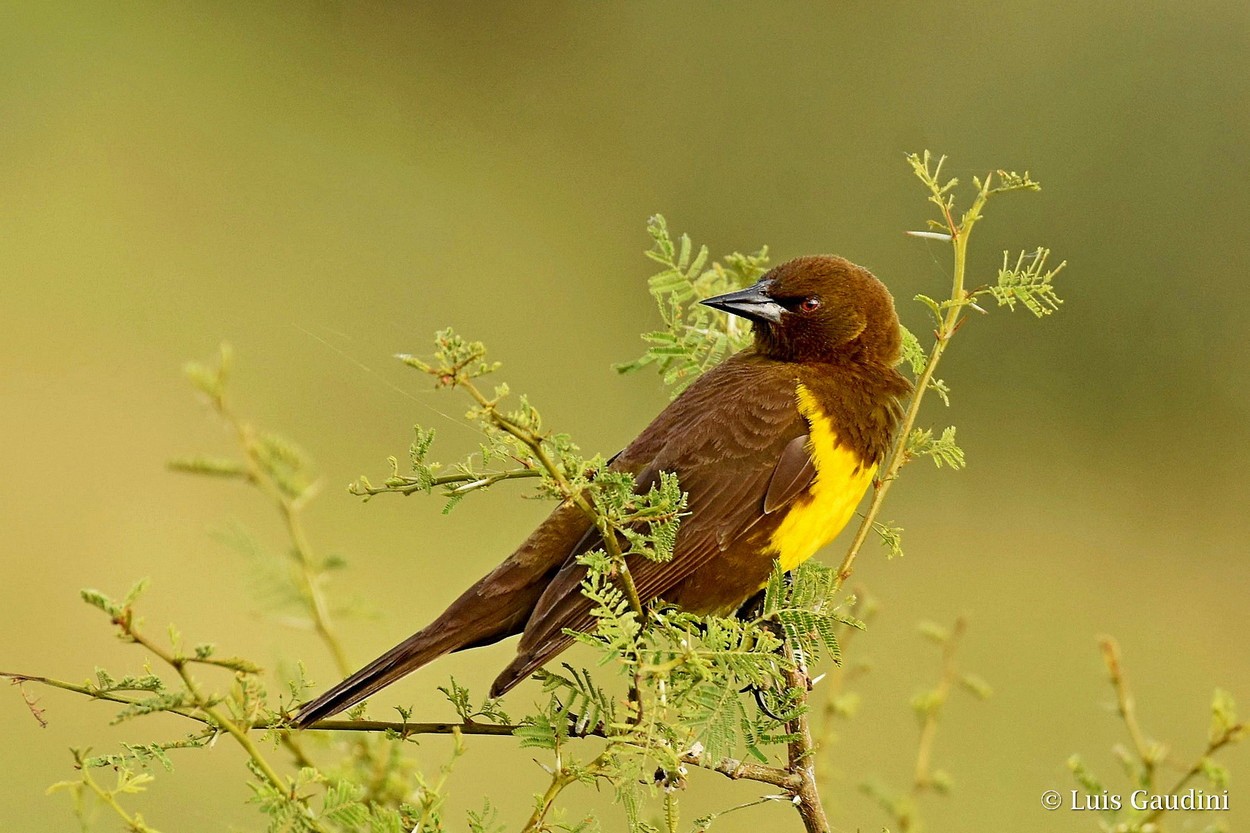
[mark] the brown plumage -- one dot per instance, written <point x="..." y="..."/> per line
<point x="793" y="426"/>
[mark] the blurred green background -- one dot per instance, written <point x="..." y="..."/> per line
<point x="324" y="184"/>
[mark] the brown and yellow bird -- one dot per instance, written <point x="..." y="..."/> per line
<point x="774" y="447"/>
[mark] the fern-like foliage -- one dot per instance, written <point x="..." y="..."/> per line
<point x="695" y="680"/>
<point x="1028" y="282"/>
<point x="1145" y="763"/>
<point x="806" y="605"/>
<point x="943" y="449"/>
<point x="694" y="338"/>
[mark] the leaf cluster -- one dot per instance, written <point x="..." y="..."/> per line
<point x="514" y="444"/>
<point x="1143" y="761"/>
<point x="1028" y="283"/>
<point x="903" y="806"/>
<point x="696" y="681"/>
<point x="694" y="338"/>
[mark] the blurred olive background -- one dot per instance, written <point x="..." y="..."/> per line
<point x="325" y="184"/>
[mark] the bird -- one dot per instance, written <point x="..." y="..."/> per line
<point x="775" y="447"/>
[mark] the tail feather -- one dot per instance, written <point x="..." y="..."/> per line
<point x="494" y="608"/>
<point x="525" y="664"/>
<point x="415" y="651"/>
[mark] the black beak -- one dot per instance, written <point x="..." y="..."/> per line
<point x="752" y="303"/>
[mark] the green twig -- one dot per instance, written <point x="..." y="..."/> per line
<point x="534" y="443"/>
<point x="562" y="777"/>
<point x="202" y="702"/>
<point x="1147" y="752"/>
<point x="928" y="730"/>
<point x="301" y="548"/>
<point x="95" y="693"/>
<point x="124" y="620"/>
<point x="134" y="823"/>
<point x="946" y="330"/>
<point x="730" y="767"/>
<point x="1213" y="746"/>
<point x="472" y="481"/>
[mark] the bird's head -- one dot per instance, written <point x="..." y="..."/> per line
<point x="819" y="308"/>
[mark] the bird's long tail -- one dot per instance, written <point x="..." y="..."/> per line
<point x="494" y="608"/>
<point x="480" y="616"/>
<point x="415" y="651"/>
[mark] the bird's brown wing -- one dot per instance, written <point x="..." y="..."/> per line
<point x="738" y="446"/>
<point x="795" y="471"/>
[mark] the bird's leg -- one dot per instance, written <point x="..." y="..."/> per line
<point x="749" y="611"/>
<point x="761" y="702"/>
<point x="752" y="608"/>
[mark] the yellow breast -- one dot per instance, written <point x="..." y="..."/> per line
<point x="841" y="480"/>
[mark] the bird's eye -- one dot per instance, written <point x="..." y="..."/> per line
<point x="810" y="304"/>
